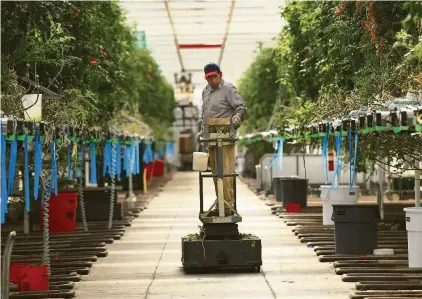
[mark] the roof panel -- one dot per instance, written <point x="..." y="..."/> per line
<point x="200" y="39"/>
<point x="142" y="5"/>
<point x="205" y="22"/>
<point x="145" y="14"/>
<point x="198" y="5"/>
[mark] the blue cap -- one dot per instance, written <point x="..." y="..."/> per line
<point x="211" y="69"/>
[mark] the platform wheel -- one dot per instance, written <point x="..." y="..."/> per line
<point x="258" y="269"/>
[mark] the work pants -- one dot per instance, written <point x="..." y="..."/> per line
<point x="229" y="155"/>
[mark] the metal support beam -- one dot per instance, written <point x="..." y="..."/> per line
<point x="226" y="34"/>
<point x="176" y="42"/>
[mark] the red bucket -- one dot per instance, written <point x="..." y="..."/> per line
<point x="293" y="208"/>
<point x="33" y="278"/>
<point x="150" y="170"/>
<point x="15" y="272"/>
<point x="62" y="212"/>
<point x="159" y="167"/>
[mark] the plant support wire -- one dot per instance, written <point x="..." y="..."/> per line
<point x="82" y="201"/>
<point x="113" y="184"/>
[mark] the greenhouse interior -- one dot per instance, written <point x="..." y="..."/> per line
<point x="211" y="149"/>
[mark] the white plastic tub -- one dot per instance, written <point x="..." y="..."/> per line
<point x="200" y="161"/>
<point x="414" y="236"/>
<point x="338" y="195"/>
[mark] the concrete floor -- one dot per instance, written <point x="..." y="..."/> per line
<point x="146" y="263"/>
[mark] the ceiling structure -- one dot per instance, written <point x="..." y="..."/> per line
<point x="187" y="34"/>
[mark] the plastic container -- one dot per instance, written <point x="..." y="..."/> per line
<point x="15" y="270"/>
<point x="200" y="161"/>
<point x="336" y="196"/>
<point x="293" y="208"/>
<point x="33" y="278"/>
<point x="414" y="236"/>
<point x="149" y="168"/>
<point x="291" y="190"/>
<point x="62" y="212"/>
<point x="258" y="182"/>
<point x="356" y="228"/>
<point x="159" y="166"/>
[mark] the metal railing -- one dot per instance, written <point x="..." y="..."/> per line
<point x="5" y="266"/>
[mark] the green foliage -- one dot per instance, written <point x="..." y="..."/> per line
<point x="259" y="89"/>
<point x="333" y="57"/>
<point x="84" y="51"/>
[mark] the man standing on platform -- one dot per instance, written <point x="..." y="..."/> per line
<point x="220" y="99"/>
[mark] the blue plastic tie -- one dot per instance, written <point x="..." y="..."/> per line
<point x="275" y="147"/>
<point x="125" y="158"/>
<point x="12" y="167"/>
<point x="138" y="164"/>
<point x="146" y="154"/>
<point x="4" y="194"/>
<point x="338" y="164"/>
<point x="106" y="166"/>
<point x="75" y="168"/>
<point x="350" y="156"/>
<point x="93" y="164"/>
<point x="118" y="160"/>
<point x="54" y="177"/>
<point x="82" y="160"/>
<point x="68" y="156"/>
<point x="37" y="162"/>
<point x="110" y="157"/>
<point x="26" y="173"/>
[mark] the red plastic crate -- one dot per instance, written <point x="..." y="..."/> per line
<point x="62" y="212"/>
<point x="159" y="167"/>
<point x="15" y="270"/>
<point x="33" y="278"/>
<point x="293" y="207"/>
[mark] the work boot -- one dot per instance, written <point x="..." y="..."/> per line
<point x="228" y="212"/>
<point x="214" y="212"/>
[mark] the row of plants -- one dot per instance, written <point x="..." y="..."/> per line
<point x="334" y="57"/>
<point x="85" y="52"/>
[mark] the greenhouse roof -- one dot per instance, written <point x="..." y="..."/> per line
<point x="187" y="34"/>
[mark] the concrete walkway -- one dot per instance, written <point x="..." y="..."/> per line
<point x="146" y="263"/>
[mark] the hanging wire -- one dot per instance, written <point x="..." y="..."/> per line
<point x="113" y="183"/>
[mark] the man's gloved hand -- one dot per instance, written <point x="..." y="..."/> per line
<point x="236" y="122"/>
<point x="198" y="137"/>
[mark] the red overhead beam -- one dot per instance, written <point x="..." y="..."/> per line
<point x="199" y="46"/>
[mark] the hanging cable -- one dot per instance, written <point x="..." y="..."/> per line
<point x="81" y="189"/>
<point x="82" y="203"/>
<point x="46" y="223"/>
<point x="113" y="182"/>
